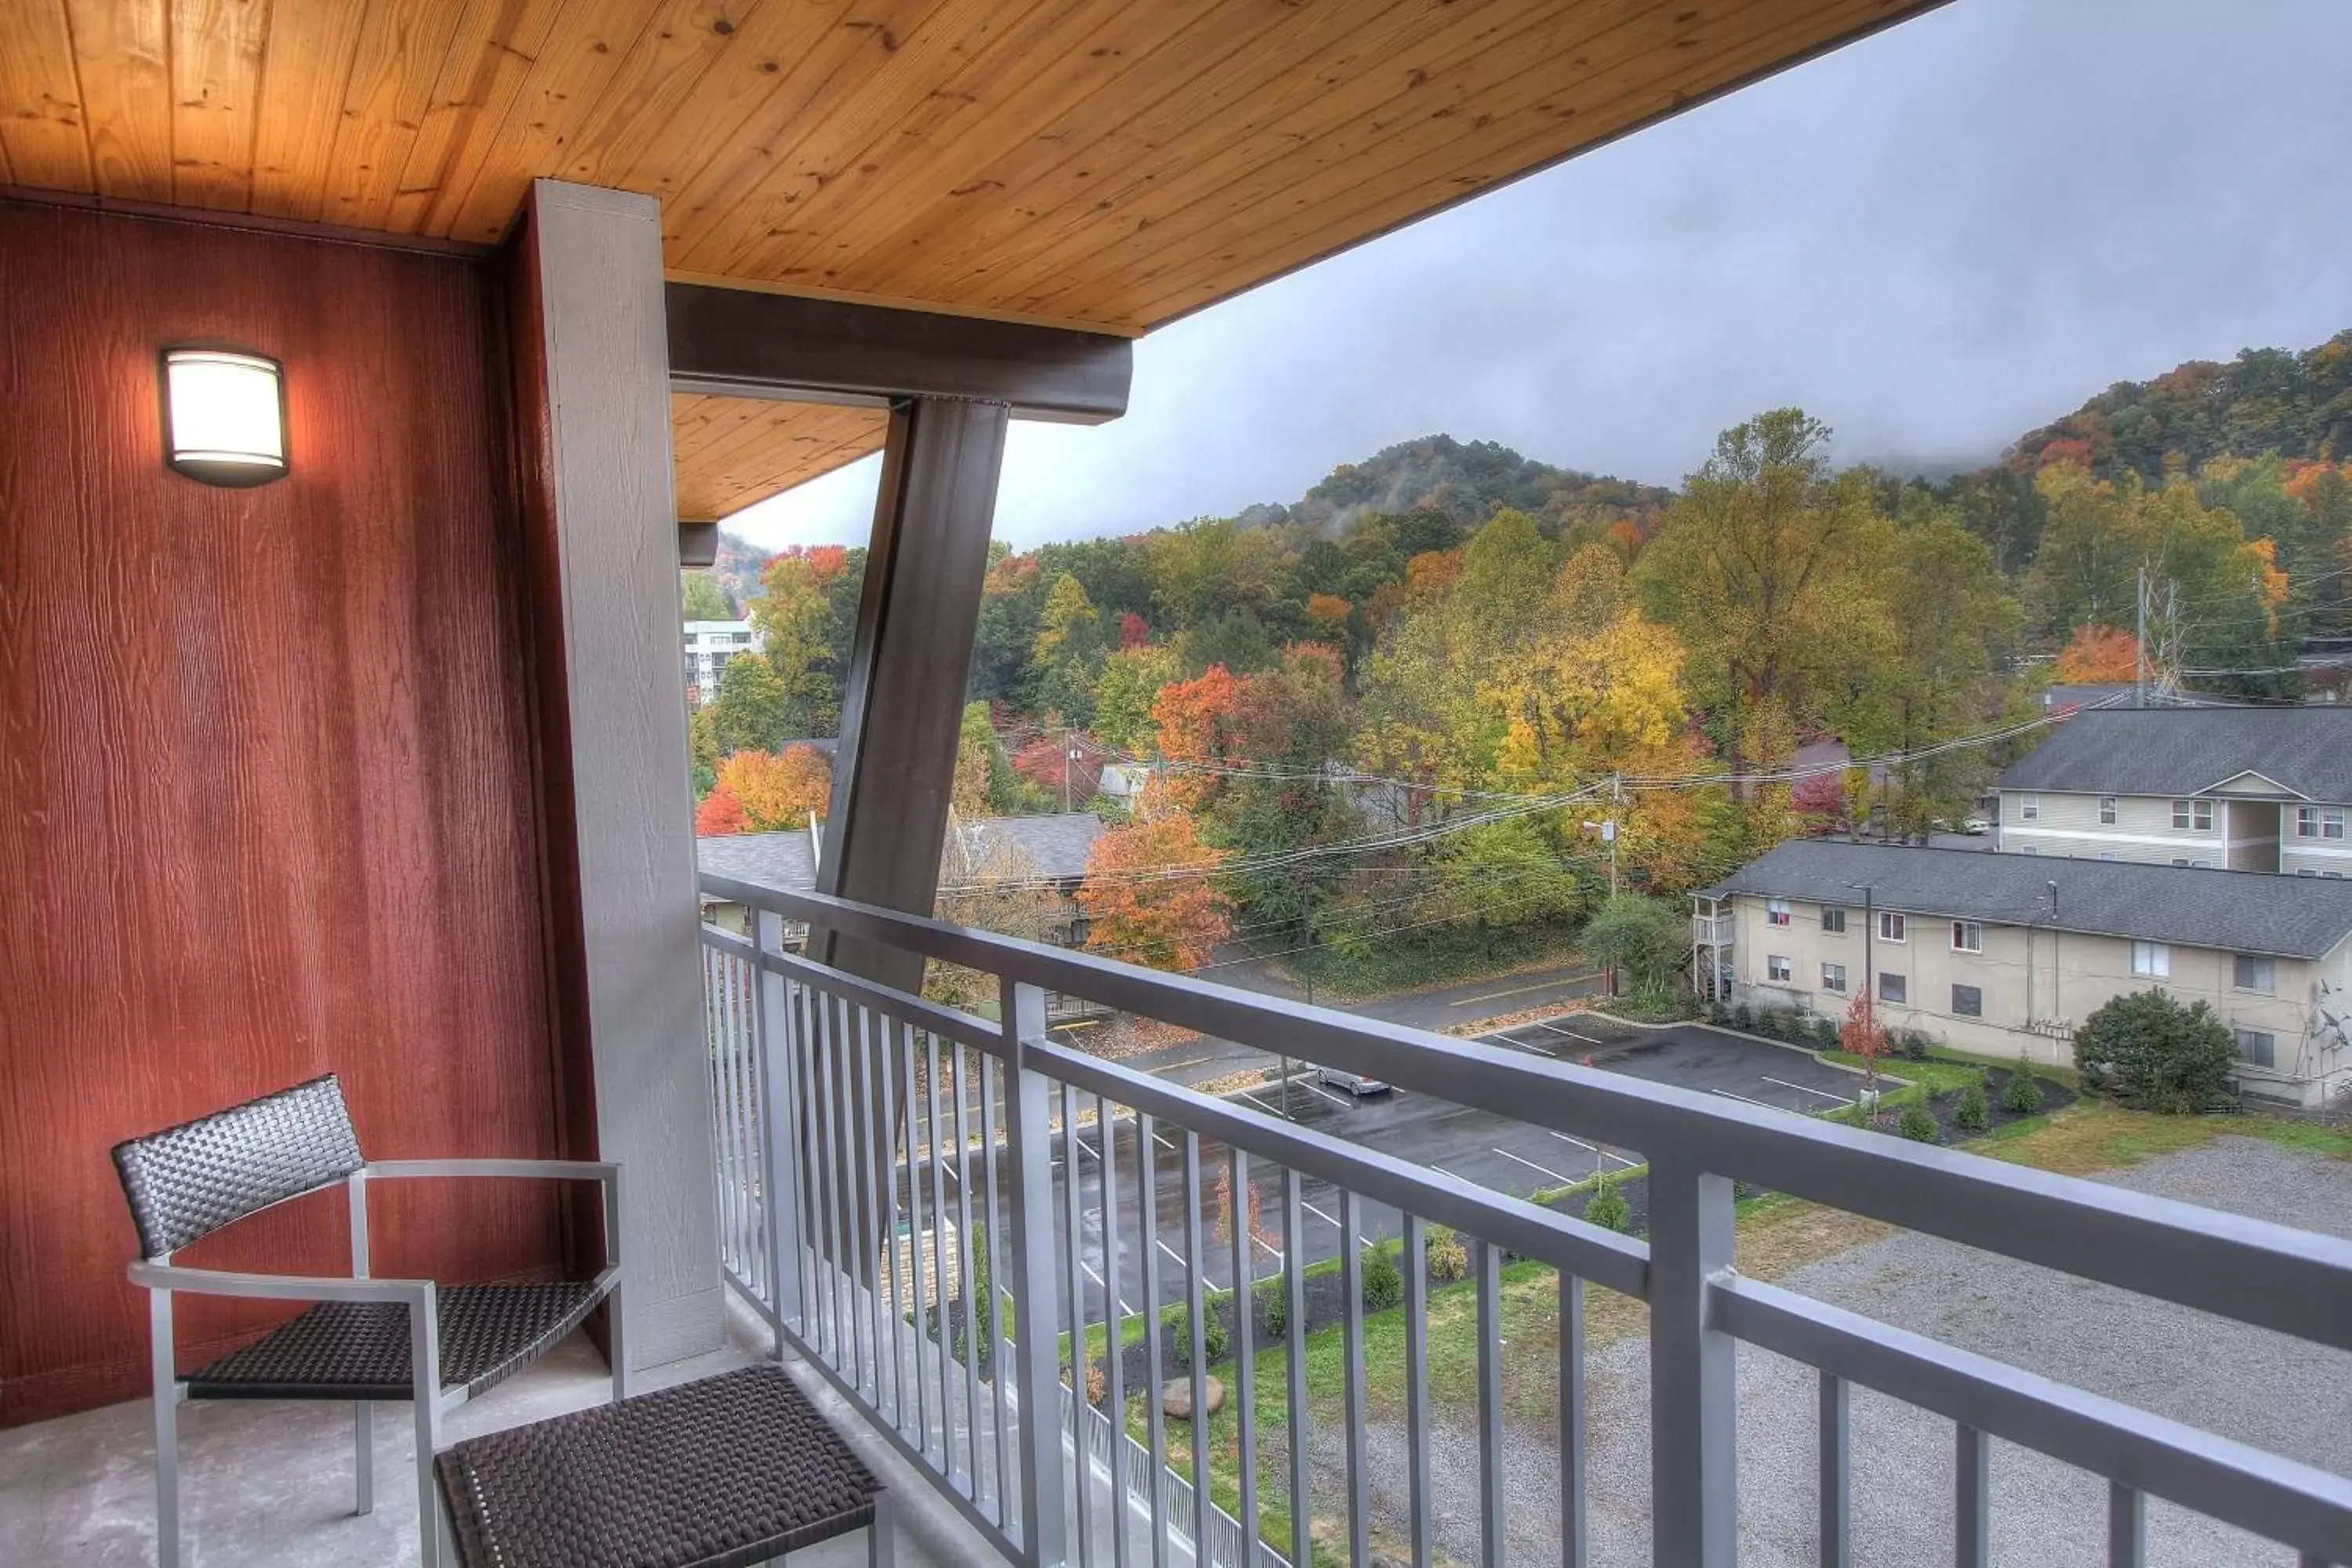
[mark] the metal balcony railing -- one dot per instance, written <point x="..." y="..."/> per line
<point x="880" y="1154"/>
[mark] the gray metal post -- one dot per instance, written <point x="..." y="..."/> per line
<point x="780" y="1154"/>
<point x="1693" y="1431"/>
<point x="1037" y="1371"/>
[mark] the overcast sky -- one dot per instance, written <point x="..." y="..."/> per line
<point x="1935" y="239"/>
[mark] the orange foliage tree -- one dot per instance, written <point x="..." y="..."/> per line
<point x="1864" y="1037"/>
<point x="1327" y="613"/>
<point x="777" y="792"/>
<point x="1199" y="727"/>
<point x="2097" y="654"/>
<point x="720" y="814"/>
<point x="1148" y="898"/>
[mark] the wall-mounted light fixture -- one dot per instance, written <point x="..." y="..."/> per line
<point x="224" y="415"/>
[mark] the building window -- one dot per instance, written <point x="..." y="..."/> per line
<point x="2202" y="865"/>
<point x="2258" y="1047"/>
<point x="2307" y="871"/>
<point x="2028" y="849"/>
<point x="1776" y="911"/>
<point x="1832" y="921"/>
<point x="1893" y="988"/>
<point x="2106" y="854"/>
<point x="1777" y="968"/>
<point x="1968" y="1001"/>
<point x="2249" y="972"/>
<point x="1967" y="936"/>
<point x="1833" y="977"/>
<point x="2106" y="811"/>
<point x="2319" y="822"/>
<point x="2029" y="808"/>
<point x="2151" y="959"/>
<point x="2181" y="861"/>
<point x="1891" y="927"/>
<point x="2194" y="814"/>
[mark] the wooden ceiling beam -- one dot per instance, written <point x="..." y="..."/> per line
<point x="744" y="342"/>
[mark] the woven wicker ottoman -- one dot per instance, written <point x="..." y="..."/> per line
<point x="724" y="1473"/>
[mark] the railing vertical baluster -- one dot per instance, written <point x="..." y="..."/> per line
<point x="780" y="1177"/>
<point x="970" y="1332"/>
<point x="991" y="1074"/>
<point x="1115" y="1329"/>
<point x="2126" y="1527"/>
<point x="1042" y="1528"/>
<point x="940" y="1342"/>
<point x="1351" y="1278"/>
<point x="865" y="1269"/>
<point x="755" y="1130"/>
<point x="1197" y="1355"/>
<point x="1972" y="1501"/>
<point x="714" y="1010"/>
<point x="830" y="1255"/>
<point x="1076" y="1259"/>
<point x="877" y="1059"/>
<point x="1294" y="1334"/>
<point x="1488" y="1259"/>
<point x="1693" y="1399"/>
<point x="1837" y="1473"/>
<point x="1245" y="1348"/>
<point x="1572" y="1533"/>
<point x="1146" y="1195"/>
<point x="1416" y="1390"/>
<point x="912" y="1335"/>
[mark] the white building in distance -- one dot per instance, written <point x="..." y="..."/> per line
<point x="709" y="646"/>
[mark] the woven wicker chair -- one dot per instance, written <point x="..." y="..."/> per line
<point x="366" y="1340"/>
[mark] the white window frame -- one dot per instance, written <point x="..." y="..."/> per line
<point x="2029" y="808"/>
<point x="2151" y="961"/>
<point x="1778" y="969"/>
<point x="2319" y="822"/>
<point x="2106" y="811"/>
<point x="1967" y="936"/>
<point x="2192" y="815"/>
<point x="1893" y="927"/>
<point x="2265" y="969"/>
<point x="2245" y="1039"/>
<point x="1776" y="911"/>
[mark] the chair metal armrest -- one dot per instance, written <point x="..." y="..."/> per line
<point x="189" y="1281"/>
<point x="604" y="1170"/>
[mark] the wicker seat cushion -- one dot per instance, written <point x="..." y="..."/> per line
<point x="359" y="1350"/>
<point x="721" y="1473"/>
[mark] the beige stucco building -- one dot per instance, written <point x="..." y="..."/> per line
<point x="2004" y="955"/>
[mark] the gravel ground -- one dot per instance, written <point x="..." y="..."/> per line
<point x="2262" y="1388"/>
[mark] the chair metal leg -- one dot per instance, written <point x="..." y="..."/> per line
<point x="363" y="1453"/>
<point x="424" y="1363"/>
<point x="882" y="1535"/>
<point x="167" y="1429"/>
<point x="617" y="1347"/>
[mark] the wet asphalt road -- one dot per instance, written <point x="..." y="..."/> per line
<point x="1477" y="1146"/>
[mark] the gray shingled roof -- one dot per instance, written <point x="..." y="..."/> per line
<point x="2188" y="751"/>
<point x="2243" y="911"/>
<point x="1058" y="845"/>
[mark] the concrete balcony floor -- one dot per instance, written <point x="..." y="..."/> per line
<point x="266" y="1484"/>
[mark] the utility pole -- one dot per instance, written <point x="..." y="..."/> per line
<point x="1616" y="801"/>
<point x="1069" y="766"/>
<point x="2139" y="644"/>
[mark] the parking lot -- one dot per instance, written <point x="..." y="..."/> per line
<point x="1477" y="1146"/>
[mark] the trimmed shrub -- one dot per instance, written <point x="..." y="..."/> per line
<point x="1741" y="1018"/>
<point x="1608" y="1207"/>
<point x="1916" y="1123"/>
<point x="1767" y="1022"/>
<point x="2021" y="1095"/>
<point x="1914" y="1044"/>
<point x="2147" y="1050"/>
<point x="1095" y="1381"/>
<point x="1273" y="1308"/>
<point x="1176" y="1322"/>
<point x="1972" y="1114"/>
<point x="1383" y="1280"/>
<point x="1446" y="1258"/>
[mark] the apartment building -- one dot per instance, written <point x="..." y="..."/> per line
<point x="709" y="646"/>
<point x="2006" y="955"/>
<point x="2244" y="789"/>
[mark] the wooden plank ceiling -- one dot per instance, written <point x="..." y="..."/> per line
<point x="1106" y="163"/>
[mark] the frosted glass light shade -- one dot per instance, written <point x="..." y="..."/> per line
<point x="224" y="415"/>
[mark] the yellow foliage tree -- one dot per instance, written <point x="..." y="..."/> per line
<point x="778" y="792"/>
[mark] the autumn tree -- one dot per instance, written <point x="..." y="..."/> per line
<point x="1131" y="679"/>
<point x="720" y="814"/>
<point x="1064" y="766"/>
<point x="986" y="784"/>
<point x="778" y="792"/>
<point x="749" y="713"/>
<point x="1067" y="657"/>
<point x="803" y="620"/>
<point x="1198" y="722"/>
<point x="1770" y="569"/>
<point x="2098" y="655"/>
<point x="700" y="599"/>
<point x="1863" y="1035"/>
<point x="1327" y="615"/>
<point x="989" y="882"/>
<point x="1150" y="897"/>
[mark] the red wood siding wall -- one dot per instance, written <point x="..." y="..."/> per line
<point x="267" y="806"/>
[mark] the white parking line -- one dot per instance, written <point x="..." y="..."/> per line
<point x="1743" y="1099"/>
<point x="1327" y="1093"/>
<point x="1269" y="1246"/>
<point x="1594" y="1148"/>
<point x="1802" y="1088"/>
<point x="1319" y="1214"/>
<point x="1173" y="1253"/>
<point x="1571" y="1033"/>
<point x="1514" y="1044"/>
<point x="1261" y="1104"/>
<point x="1161" y="1139"/>
<point x="1530" y="1164"/>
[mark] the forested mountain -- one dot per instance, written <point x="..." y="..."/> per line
<point x="1382" y="720"/>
